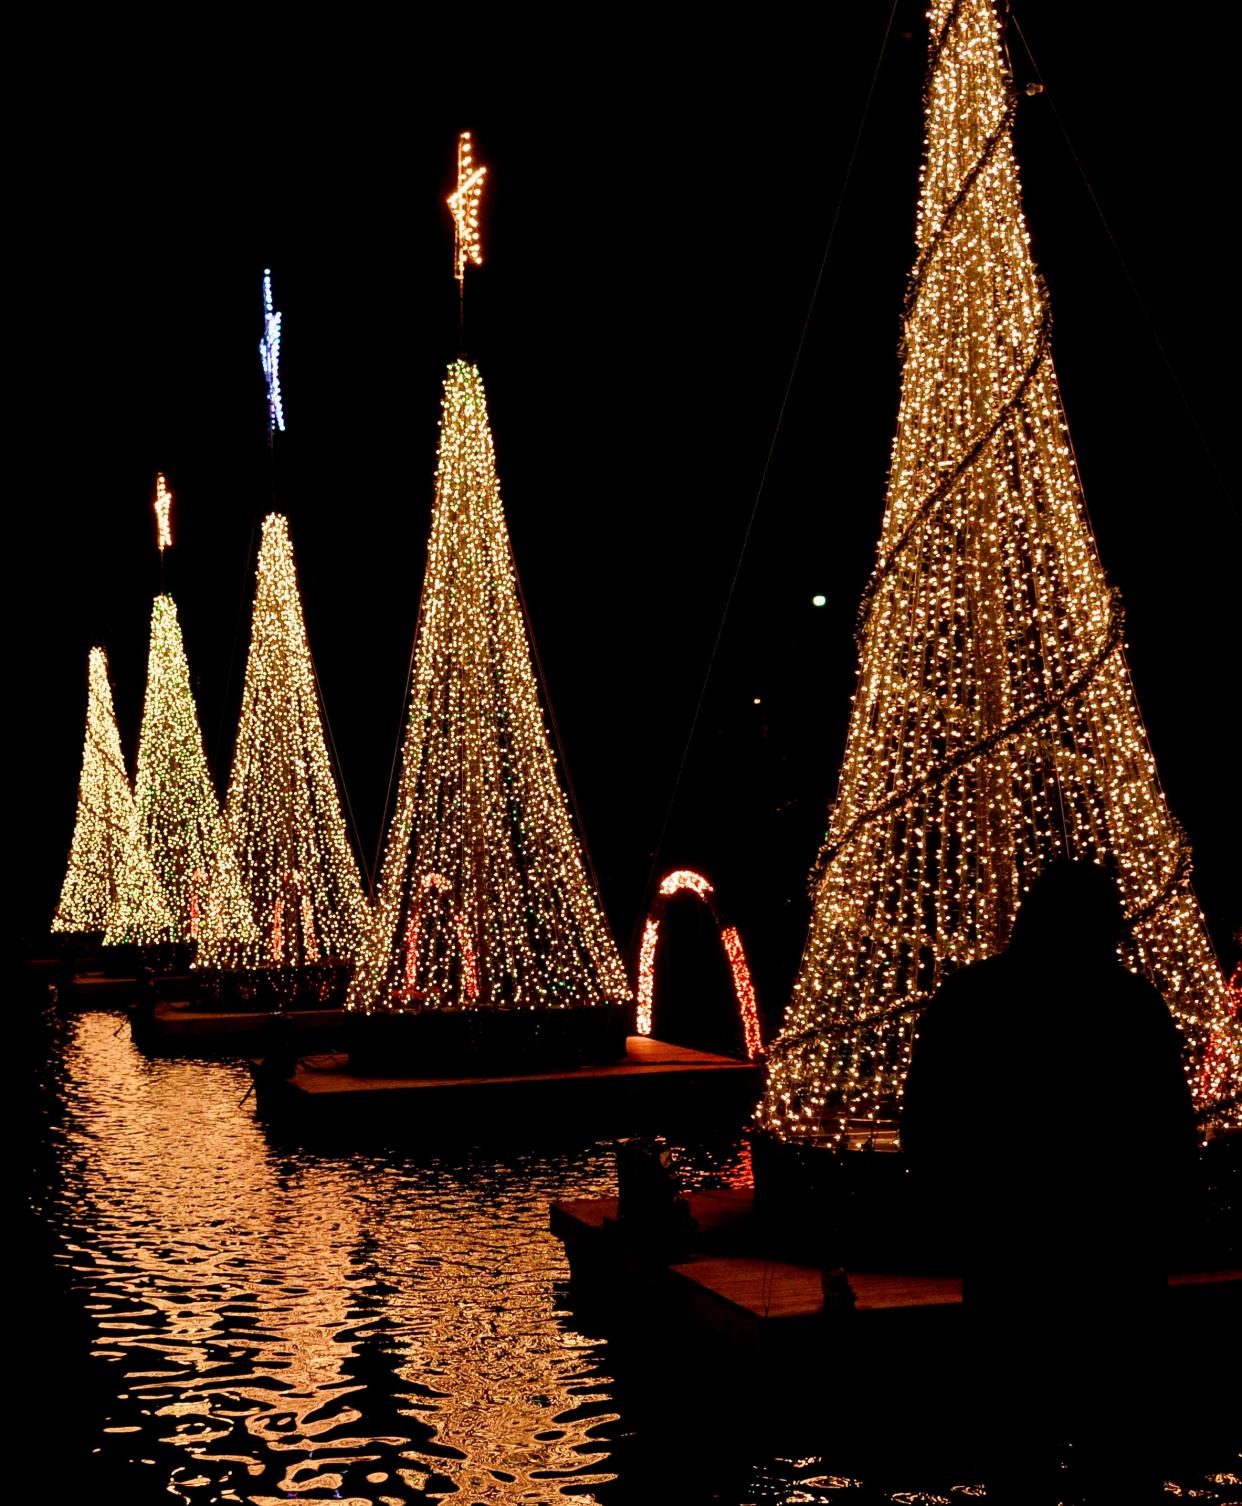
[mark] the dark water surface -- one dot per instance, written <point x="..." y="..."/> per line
<point x="266" y="1324"/>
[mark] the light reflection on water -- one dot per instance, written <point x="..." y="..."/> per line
<point x="287" y="1325"/>
<point x="303" y="1326"/>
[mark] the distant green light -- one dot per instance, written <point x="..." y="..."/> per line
<point x="819" y="601"/>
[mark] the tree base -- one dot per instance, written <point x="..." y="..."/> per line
<point x="318" y="985"/>
<point x="479" y="1042"/>
<point x="78" y="946"/>
<point x="855" y="1208"/>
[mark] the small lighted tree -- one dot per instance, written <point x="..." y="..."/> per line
<point x="282" y="816"/>
<point x="484" y="897"/>
<point x="177" y="810"/>
<point x="994" y="726"/>
<point x="107" y="858"/>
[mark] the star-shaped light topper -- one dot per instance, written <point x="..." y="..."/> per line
<point x="269" y="354"/>
<point x="163" y="504"/>
<point x="464" y="203"/>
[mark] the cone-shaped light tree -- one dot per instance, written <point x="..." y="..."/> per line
<point x="178" y="811"/>
<point x="282" y="816"/>
<point x="994" y="726"/>
<point x="484" y="898"/>
<point x="107" y="858"/>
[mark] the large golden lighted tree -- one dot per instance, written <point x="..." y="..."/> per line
<point x="107" y="858"/>
<point x="994" y="727"/>
<point x="282" y="815"/>
<point x="484" y="898"/>
<point x="178" y="813"/>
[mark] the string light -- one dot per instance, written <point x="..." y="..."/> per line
<point x="470" y="973"/>
<point x="178" y="815"/>
<point x="269" y="354"/>
<point x="686" y="881"/>
<point x="744" y="989"/>
<point x="107" y="858"/>
<point x="283" y="816"/>
<point x="163" y="505"/>
<point x="994" y="726"/>
<point x="646" y="976"/>
<point x="484" y="899"/>
<point x="198" y="888"/>
<point x="1219" y="1068"/>
<point x="464" y="204"/>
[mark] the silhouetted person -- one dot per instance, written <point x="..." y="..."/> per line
<point x="1048" y="1118"/>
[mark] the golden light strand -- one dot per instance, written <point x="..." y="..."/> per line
<point x="994" y="726"/>
<point x="484" y="899"/>
<point x="177" y="810"/>
<point x="163" y="507"/>
<point x="283" y="816"/>
<point x="464" y="204"/>
<point x="107" y="857"/>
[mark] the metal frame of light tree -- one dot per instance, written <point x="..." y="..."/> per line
<point x="686" y="881"/>
<point x="282" y="815"/>
<point x="107" y="858"/>
<point x="994" y="726"/>
<point x="484" y="900"/>
<point x="178" y="812"/>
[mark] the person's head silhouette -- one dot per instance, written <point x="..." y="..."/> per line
<point x="1071" y="907"/>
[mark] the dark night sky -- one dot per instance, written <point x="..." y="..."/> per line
<point x="653" y="235"/>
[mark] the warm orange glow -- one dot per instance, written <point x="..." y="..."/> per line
<point x="646" y="975"/>
<point x="308" y="928"/>
<point x="109" y="862"/>
<point x="301" y="897"/>
<point x="464" y="204"/>
<point x="994" y="727"/>
<point x="744" y="989"/>
<point x="163" y="506"/>
<point x="480" y="801"/>
<point x="686" y="878"/>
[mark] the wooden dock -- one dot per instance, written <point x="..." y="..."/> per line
<point x="107" y="986"/>
<point x="98" y="989"/>
<point x="178" y="1027"/>
<point x="726" y="1290"/>
<point x="655" y="1084"/>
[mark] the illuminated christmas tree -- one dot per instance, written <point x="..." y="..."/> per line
<point x="282" y="816"/>
<point x="994" y="726"/>
<point x="484" y="898"/>
<point x="178" y="812"/>
<point x="106" y="857"/>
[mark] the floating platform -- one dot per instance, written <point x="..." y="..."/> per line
<point x="180" y="1026"/>
<point x="272" y="990"/>
<point x="741" y="1302"/>
<point x="105" y="990"/>
<point x="98" y="990"/>
<point x="654" y="1084"/>
<point x="485" y="1042"/>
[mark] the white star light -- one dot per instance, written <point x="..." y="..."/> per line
<point x="269" y="354"/>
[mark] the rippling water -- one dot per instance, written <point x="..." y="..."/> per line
<point x="269" y="1325"/>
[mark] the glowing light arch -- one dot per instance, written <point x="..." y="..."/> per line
<point x="685" y="880"/>
<point x="431" y="882"/>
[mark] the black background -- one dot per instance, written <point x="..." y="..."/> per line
<point x="659" y="199"/>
